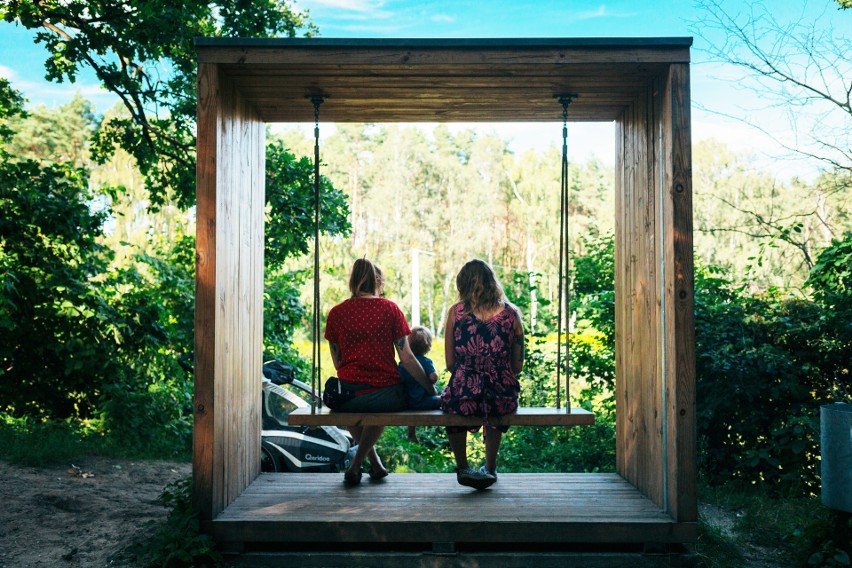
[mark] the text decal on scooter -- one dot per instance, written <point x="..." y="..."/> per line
<point x="317" y="458"/>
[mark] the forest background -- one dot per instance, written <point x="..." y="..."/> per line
<point x="97" y="252"/>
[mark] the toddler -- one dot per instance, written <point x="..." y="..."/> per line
<point x="420" y="341"/>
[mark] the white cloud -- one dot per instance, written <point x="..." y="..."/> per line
<point x="589" y="14"/>
<point x="7" y="73"/>
<point x="349" y="9"/>
<point x="765" y="153"/>
<point x="352" y="5"/>
<point x="443" y="19"/>
<point x="600" y="12"/>
<point x="53" y="94"/>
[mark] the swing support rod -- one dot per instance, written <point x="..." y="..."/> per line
<point x="316" y="372"/>
<point x="564" y="263"/>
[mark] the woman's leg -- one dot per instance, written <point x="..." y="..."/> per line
<point x="458" y="443"/>
<point x="412" y="435"/>
<point x="493" y="437"/>
<point x="367" y="437"/>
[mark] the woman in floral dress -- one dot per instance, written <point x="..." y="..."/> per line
<point x="484" y="349"/>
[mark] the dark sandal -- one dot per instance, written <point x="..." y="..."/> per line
<point x="474" y="478"/>
<point x="352" y="478"/>
<point x="377" y="475"/>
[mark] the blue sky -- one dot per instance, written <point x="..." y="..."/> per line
<point x="714" y="88"/>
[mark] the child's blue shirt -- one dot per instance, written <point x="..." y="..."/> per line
<point x="417" y="397"/>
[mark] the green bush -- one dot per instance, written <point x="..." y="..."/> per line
<point x="178" y="543"/>
<point x="764" y="366"/>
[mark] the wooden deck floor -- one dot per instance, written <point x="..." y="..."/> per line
<point x="432" y="509"/>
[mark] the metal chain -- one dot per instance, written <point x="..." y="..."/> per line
<point x="564" y="252"/>
<point x="316" y="371"/>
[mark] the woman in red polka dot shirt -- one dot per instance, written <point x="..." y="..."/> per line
<point x="363" y="333"/>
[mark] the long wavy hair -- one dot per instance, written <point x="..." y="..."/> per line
<point x="479" y="290"/>
<point x="365" y="278"/>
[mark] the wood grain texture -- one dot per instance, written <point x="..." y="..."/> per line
<point x="639" y="409"/>
<point x="642" y="85"/>
<point x="529" y="416"/>
<point x="451" y="81"/>
<point x="229" y="293"/>
<point x="205" y="290"/>
<point x="679" y="296"/>
<point x="539" y="508"/>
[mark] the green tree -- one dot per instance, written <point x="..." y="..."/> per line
<point x="129" y="44"/>
<point x="289" y="231"/>
<point x="831" y="282"/>
<point x="57" y="332"/>
<point x="59" y="135"/>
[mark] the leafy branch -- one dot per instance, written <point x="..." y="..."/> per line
<point x="128" y="44"/>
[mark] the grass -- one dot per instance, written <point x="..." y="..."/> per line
<point x="32" y="442"/>
<point x="792" y="529"/>
<point x="716" y="548"/>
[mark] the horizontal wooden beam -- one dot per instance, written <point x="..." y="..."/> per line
<point x="529" y="416"/>
<point x="467" y="80"/>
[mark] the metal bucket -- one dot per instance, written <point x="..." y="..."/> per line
<point x="835" y="421"/>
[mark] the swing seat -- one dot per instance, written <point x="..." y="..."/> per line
<point x="525" y="416"/>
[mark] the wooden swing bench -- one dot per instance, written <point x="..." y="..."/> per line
<point x="525" y="416"/>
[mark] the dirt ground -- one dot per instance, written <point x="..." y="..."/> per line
<point x="87" y="513"/>
<point x="81" y="514"/>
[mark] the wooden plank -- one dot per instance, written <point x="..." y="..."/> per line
<point x="205" y="291"/>
<point x="258" y="200"/>
<point x="295" y="112"/>
<point x="528" y="416"/>
<point x="226" y="285"/>
<point x="287" y="52"/>
<point x="639" y="410"/>
<point x="621" y="443"/>
<point x="679" y="297"/>
<point x="380" y="75"/>
<point x="625" y="348"/>
<point x="600" y="43"/>
<point x="648" y="322"/>
<point x="557" y="508"/>
<point x="396" y="76"/>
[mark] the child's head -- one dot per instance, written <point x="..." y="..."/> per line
<point x="420" y="340"/>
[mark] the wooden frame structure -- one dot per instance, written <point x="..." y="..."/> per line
<point x="642" y="84"/>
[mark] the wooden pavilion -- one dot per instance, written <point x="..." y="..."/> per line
<point x="642" y="84"/>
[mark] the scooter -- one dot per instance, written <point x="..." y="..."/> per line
<point x="297" y="448"/>
<point x="300" y="449"/>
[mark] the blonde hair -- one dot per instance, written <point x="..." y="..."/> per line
<point x="366" y="278"/>
<point x="478" y="287"/>
<point x="420" y="340"/>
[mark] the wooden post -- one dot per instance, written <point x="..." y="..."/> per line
<point x="229" y="295"/>
<point x="205" y="289"/>
<point x="679" y="296"/>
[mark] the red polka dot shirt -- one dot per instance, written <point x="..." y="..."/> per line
<point x="365" y="330"/>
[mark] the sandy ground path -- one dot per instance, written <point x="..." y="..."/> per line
<point x="84" y="515"/>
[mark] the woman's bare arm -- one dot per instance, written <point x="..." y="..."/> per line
<point x="412" y="365"/>
<point x="334" y="348"/>
<point x="518" y="347"/>
<point x="449" y="340"/>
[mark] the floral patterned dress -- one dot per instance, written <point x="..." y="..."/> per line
<point x="482" y="382"/>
